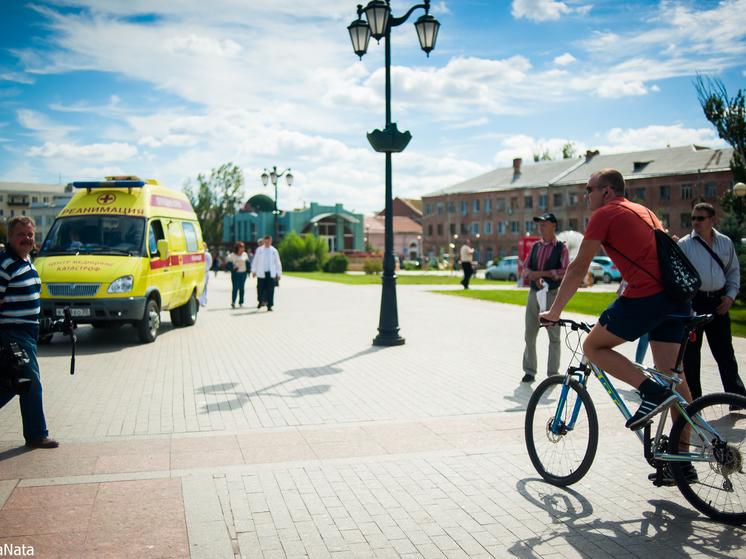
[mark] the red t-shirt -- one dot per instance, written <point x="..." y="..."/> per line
<point x="619" y="228"/>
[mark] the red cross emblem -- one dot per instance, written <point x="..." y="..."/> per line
<point x="105" y="199"/>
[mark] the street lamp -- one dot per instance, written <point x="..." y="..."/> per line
<point x="273" y="176"/>
<point x="389" y="140"/>
<point x="479" y="252"/>
<point x="739" y="189"/>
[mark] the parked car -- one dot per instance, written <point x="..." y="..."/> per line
<point x="506" y="269"/>
<point x="611" y="272"/>
<point x="597" y="270"/>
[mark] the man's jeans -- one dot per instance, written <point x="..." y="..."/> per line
<point x="532" y="331"/>
<point x="265" y="289"/>
<point x="32" y="410"/>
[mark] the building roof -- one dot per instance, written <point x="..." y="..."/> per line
<point x="27" y="187"/>
<point x="377" y="225"/>
<point x="638" y="164"/>
<point x="416" y="205"/>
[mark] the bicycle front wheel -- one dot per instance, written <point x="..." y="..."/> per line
<point x="718" y="489"/>
<point x="561" y="451"/>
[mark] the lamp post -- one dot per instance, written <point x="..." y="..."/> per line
<point x="389" y="140"/>
<point x="273" y="176"/>
<point x="739" y="189"/>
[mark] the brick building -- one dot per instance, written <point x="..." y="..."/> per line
<point x="496" y="209"/>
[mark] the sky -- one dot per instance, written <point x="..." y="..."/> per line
<point x="168" y="89"/>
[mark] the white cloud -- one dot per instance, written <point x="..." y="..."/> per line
<point x="42" y="126"/>
<point x="18" y="77"/>
<point x="565" y="59"/>
<point x="202" y="46"/>
<point x="114" y="151"/>
<point x="539" y="10"/>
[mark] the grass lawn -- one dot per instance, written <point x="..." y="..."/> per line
<point x="372" y="279"/>
<point x="592" y="304"/>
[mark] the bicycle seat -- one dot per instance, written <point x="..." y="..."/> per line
<point x="690" y="323"/>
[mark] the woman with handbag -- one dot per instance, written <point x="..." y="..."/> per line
<point x="238" y="261"/>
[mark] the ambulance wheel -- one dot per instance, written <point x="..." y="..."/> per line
<point x="189" y="311"/>
<point x="147" y="328"/>
<point x="176" y="317"/>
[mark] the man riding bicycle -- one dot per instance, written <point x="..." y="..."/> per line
<point x="623" y="227"/>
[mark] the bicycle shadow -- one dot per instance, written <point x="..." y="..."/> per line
<point x="240" y="399"/>
<point x="668" y="529"/>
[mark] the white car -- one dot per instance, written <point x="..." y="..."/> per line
<point x="506" y="269"/>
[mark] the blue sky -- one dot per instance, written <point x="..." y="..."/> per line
<point x="167" y="89"/>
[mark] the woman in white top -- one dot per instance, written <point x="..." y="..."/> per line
<point x="238" y="260"/>
<point x="208" y="265"/>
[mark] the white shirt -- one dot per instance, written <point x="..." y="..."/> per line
<point x="713" y="276"/>
<point x="266" y="260"/>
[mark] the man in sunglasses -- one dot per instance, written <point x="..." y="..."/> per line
<point x="625" y="230"/>
<point x="714" y="257"/>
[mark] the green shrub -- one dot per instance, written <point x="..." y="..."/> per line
<point x="305" y="253"/>
<point x="309" y="264"/>
<point x="411" y="265"/>
<point x="372" y="266"/>
<point x="336" y="264"/>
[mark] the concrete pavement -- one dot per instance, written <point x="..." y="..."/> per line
<point x="286" y="434"/>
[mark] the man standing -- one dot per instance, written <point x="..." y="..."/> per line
<point x="625" y="228"/>
<point x="544" y="265"/>
<point x="714" y="257"/>
<point x="467" y="253"/>
<point x="266" y="267"/>
<point x="19" y="323"/>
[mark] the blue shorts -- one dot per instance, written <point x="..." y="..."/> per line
<point x="630" y="318"/>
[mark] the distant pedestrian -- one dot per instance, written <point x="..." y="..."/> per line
<point x="267" y="268"/>
<point x="238" y="261"/>
<point x="216" y="263"/>
<point x="208" y="265"/>
<point x="467" y="254"/>
<point x="714" y="257"/>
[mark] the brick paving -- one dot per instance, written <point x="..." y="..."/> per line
<point x="286" y="434"/>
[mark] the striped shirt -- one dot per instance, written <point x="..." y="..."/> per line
<point x="19" y="291"/>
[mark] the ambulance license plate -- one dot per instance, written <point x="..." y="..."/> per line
<point x="75" y="312"/>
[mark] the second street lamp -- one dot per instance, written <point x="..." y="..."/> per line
<point x="389" y="140"/>
<point x="273" y="176"/>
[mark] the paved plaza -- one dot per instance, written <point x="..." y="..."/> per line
<point x="287" y="434"/>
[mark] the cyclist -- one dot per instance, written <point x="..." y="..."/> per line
<point x="617" y="225"/>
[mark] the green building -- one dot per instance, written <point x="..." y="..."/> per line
<point x="342" y="229"/>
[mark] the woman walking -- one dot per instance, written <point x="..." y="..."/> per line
<point x="238" y="260"/>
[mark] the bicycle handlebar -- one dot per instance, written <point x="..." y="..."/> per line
<point x="584" y="326"/>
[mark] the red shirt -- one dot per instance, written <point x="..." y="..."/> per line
<point x="618" y="227"/>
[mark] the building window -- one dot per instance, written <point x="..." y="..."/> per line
<point x="34" y="199"/>
<point x="440" y="209"/>
<point x="500" y="204"/>
<point x="501" y="228"/>
<point x="281" y="231"/>
<point x="430" y="230"/>
<point x="1" y="198"/>
<point x="528" y="202"/>
<point x="475" y="228"/>
<point x="453" y="229"/>
<point x="464" y="207"/>
<point x="252" y="229"/>
<point x="488" y="206"/>
<point x="464" y="229"/>
<point x="559" y="226"/>
<point x="514" y="203"/>
<point x="488" y="228"/>
<point x="489" y="254"/>
<point x="46" y="199"/>
<point x="557" y="201"/>
<point x="686" y="220"/>
<point x="50" y="219"/>
<point x="515" y="227"/>
<point x="572" y="224"/>
<point x="542" y="201"/>
<point x="529" y="225"/>
<point x="501" y="252"/>
<point x="475" y="206"/>
<point x="572" y="199"/>
<point x="429" y="209"/>
<point x="451" y="208"/>
<point x="440" y="229"/>
<point x="1" y="212"/>
<point x="686" y="191"/>
<point x="640" y="194"/>
<point x="711" y="190"/>
<point x="665" y="221"/>
<point x="586" y="223"/>
<point x="665" y="193"/>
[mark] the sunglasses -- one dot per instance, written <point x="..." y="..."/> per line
<point x="700" y="217"/>
<point x="589" y="189"/>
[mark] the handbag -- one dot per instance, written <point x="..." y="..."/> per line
<point x="679" y="277"/>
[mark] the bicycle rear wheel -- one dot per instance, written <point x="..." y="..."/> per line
<point x="564" y="455"/>
<point x="719" y="490"/>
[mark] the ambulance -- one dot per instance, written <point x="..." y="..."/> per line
<point x="122" y="251"/>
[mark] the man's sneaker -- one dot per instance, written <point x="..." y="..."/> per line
<point x="690" y="475"/>
<point x="527" y="378"/>
<point x="655" y="399"/>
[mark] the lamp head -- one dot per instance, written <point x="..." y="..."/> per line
<point x="378" y="13"/>
<point x="359" y="33"/>
<point x="289" y="178"/>
<point x="427" y="32"/>
<point x="739" y="189"/>
<point x="265" y="177"/>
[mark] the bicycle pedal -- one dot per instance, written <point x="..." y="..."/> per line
<point x="648" y="423"/>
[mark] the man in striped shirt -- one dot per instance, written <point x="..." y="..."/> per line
<point x="19" y="323"/>
<point x="544" y="265"/>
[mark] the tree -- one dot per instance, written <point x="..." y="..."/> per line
<point x="542" y="156"/>
<point x="728" y="116"/>
<point x="568" y="150"/>
<point x="213" y="198"/>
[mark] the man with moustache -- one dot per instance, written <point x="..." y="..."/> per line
<point x="19" y="323"/>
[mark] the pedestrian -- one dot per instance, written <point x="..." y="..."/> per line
<point x="216" y="263"/>
<point x="208" y="265"/>
<point x="714" y="257"/>
<point x="625" y="230"/>
<point x="238" y="260"/>
<point x="467" y="253"/>
<point x="544" y="267"/>
<point x="19" y="323"/>
<point x="267" y="268"/>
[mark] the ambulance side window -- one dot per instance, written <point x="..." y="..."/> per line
<point x="191" y="237"/>
<point x="155" y="234"/>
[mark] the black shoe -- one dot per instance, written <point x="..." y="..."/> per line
<point x="690" y="475"/>
<point x="269" y="308"/>
<point x="655" y="399"/>
<point x="260" y="305"/>
<point x="233" y="305"/>
<point x="528" y="378"/>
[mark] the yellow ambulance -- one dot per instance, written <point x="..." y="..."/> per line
<point x="122" y="251"/>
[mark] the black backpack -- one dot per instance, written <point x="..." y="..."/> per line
<point x="679" y="277"/>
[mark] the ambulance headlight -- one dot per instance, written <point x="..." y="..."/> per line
<point x="121" y="285"/>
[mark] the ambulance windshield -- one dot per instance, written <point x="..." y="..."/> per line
<point x="117" y="235"/>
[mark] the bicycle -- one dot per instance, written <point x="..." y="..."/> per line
<point x="561" y="429"/>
